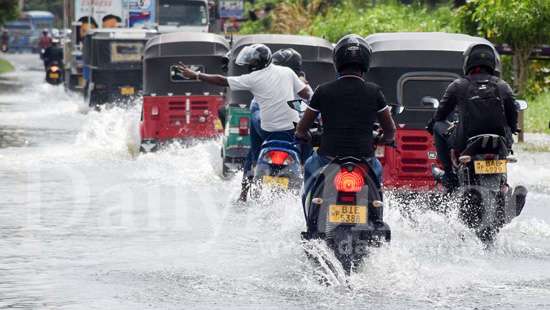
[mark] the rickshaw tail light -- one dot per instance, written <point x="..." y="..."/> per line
<point x="243" y="126"/>
<point x="155" y="111"/>
<point x="54" y="68"/>
<point x="349" y="181"/>
<point x="278" y="158"/>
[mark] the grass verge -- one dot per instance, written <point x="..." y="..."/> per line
<point x="5" y="66"/>
<point x="537" y="116"/>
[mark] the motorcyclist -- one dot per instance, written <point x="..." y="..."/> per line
<point x="54" y="53"/>
<point x="462" y="102"/>
<point x="287" y="58"/>
<point x="349" y="107"/>
<point x="5" y="40"/>
<point x="272" y="86"/>
<point x="45" y="41"/>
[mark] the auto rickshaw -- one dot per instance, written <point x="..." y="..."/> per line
<point x="175" y="107"/>
<point x="414" y="70"/>
<point x="112" y="67"/>
<point x="317" y="64"/>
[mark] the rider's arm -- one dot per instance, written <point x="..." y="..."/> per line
<point x="384" y="118"/>
<point x="215" y="79"/>
<point x="306" y="93"/>
<point x="302" y="130"/>
<point x="510" y="108"/>
<point x="447" y="103"/>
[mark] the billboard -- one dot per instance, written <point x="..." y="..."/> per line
<point x="98" y="9"/>
<point x="231" y="9"/>
<point x="133" y="13"/>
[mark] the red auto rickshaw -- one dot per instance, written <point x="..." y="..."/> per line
<point x="414" y="70"/>
<point x="174" y="107"/>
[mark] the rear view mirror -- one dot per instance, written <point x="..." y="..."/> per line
<point x="225" y="64"/>
<point x="396" y="108"/>
<point x="430" y="102"/>
<point x="521" y="105"/>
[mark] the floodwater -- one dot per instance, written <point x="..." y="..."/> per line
<point x="88" y="223"/>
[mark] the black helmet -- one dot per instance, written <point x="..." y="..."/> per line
<point x="255" y="56"/>
<point x="480" y="55"/>
<point x="352" y="49"/>
<point x="289" y="57"/>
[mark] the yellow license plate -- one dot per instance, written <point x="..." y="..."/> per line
<point x="218" y="125"/>
<point x="347" y="214"/>
<point x="276" y="181"/>
<point x="490" y="166"/>
<point x="53" y="75"/>
<point x="127" y="91"/>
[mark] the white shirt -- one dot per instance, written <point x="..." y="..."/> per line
<point x="272" y="88"/>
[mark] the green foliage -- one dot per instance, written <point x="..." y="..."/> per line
<point x="520" y="23"/>
<point x="8" y="10"/>
<point x="391" y="17"/>
<point x="5" y="66"/>
<point x="537" y="116"/>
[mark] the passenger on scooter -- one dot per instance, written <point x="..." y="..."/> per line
<point x="53" y="53"/>
<point x="478" y="103"/>
<point x="272" y="86"/>
<point x="287" y="58"/>
<point x="349" y="107"/>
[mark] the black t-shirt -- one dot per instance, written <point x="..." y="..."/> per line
<point x="349" y="108"/>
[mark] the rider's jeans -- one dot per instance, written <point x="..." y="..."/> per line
<point x="316" y="162"/>
<point x="443" y="144"/>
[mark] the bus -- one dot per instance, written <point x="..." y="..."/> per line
<point x="25" y="31"/>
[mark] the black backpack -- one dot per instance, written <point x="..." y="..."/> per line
<point x="483" y="109"/>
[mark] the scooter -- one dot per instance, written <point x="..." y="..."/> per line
<point x="54" y="73"/>
<point x="344" y="207"/>
<point x="278" y="166"/>
<point x="487" y="201"/>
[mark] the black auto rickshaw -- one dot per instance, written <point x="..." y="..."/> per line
<point x="113" y="64"/>
<point x="175" y="107"/>
<point x="414" y="70"/>
<point x="317" y="65"/>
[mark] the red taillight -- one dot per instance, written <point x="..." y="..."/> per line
<point x="489" y="156"/>
<point x="243" y="126"/>
<point x="54" y="68"/>
<point x="278" y="158"/>
<point x="349" y="181"/>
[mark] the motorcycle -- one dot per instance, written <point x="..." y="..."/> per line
<point x="487" y="201"/>
<point x="279" y="164"/>
<point x="54" y="73"/>
<point x="344" y="207"/>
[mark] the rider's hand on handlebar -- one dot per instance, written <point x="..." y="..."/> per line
<point x="186" y="71"/>
<point x="303" y="137"/>
<point x="430" y="126"/>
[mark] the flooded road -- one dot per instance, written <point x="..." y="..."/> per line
<point x="88" y="223"/>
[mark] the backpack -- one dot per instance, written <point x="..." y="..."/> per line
<point x="483" y="109"/>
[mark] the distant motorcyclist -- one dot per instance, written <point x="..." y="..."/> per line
<point x="483" y="104"/>
<point x="272" y="87"/>
<point x="287" y="58"/>
<point x="349" y="107"/>
<point x="53" y="54"/>
<point x="5" y="40"/>
<point x="44" y="42"/>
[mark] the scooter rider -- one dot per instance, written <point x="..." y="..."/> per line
<point x="349" y="107"/>
<point x="53" y="53"/>
<point x="290" y="58"/>
<point x="272" y="86"/>
<point x="483" y="104"/>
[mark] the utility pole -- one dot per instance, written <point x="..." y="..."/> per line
<point x="21" y="5"/>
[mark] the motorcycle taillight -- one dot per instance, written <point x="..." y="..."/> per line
<point x="243" y="126"/>
<point x="349" y="181"/>
<point x="278" y="158"/>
